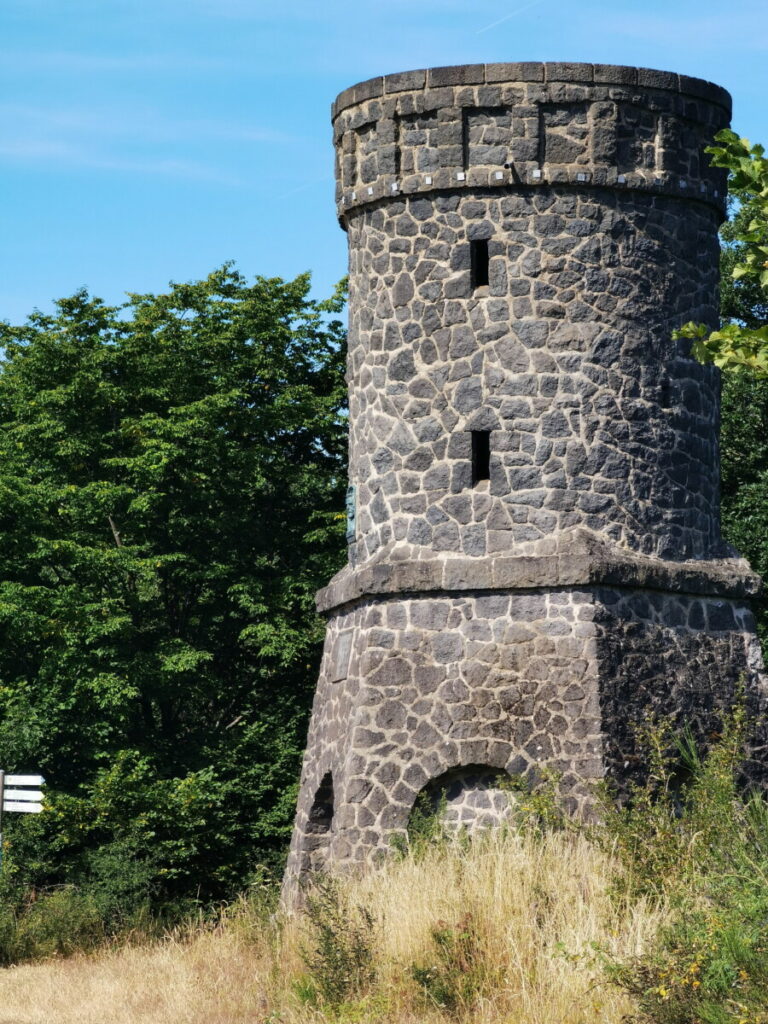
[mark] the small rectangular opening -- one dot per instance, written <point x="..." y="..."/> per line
<point x="481" y="456"/>
<point x="478" y="251"/>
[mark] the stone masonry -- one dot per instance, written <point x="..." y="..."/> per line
<point x="534" y="541"/>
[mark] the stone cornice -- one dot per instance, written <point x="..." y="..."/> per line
<point x="725" y="578"/>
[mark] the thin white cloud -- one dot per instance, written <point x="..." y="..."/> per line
<point x="120" y="138"/>
<point x="141" y="124"/>
<point x="57" y="156"/>
<point x="508" y="17"/>
<point x="301" y="13"/>
<point x="83" y="63"/>
<point x="44" y="62"/>
<point x="325" y="180"/>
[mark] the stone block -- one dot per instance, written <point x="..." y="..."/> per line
<point x="530" y="71"/>
<point x="564" y="72"/>
<point x="405" y="81"/>
<point x="370" y="89"/>
<point x="462" y="74"/>
<point x="705" y="91"/>
<point x="615" y="74"/>
<point x="651" y="79"/>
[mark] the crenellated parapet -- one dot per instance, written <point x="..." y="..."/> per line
<point x="501" y="125"/>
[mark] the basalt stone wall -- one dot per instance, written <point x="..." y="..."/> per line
<point x="505" y="124"/>
<point x="590" y="188"/>
<point x="413" y="690"/>
<point x="679" y="657"/>
<point x="566" y="357"/>
<point x="535" y="560"/>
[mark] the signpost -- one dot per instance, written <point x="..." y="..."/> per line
<point x="20" y="793"/>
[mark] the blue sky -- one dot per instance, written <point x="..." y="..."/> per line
<point x="149" y="140"/>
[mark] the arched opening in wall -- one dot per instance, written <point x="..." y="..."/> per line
<point x="472" y="797"/>
<point x="320" y="824"/>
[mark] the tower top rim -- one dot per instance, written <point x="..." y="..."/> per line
<point x="531" y="71"/>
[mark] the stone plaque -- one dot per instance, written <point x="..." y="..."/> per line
<point x="340" y="659"/>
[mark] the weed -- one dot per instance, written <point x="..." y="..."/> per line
<point x="426" y="828"/>
<point x="340" y="959"/>
<point x="455" y="976"/>
<point x="536" y="802"/>
<point x="51" y="922"/>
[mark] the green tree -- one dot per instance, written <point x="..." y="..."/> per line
<point x="744" y="487"/>
<point x="171" y="479"/>
<point x="744" y="430"/>
<point x="742" y="341"/>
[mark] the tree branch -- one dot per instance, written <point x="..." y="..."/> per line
<point x="115" y="532"/>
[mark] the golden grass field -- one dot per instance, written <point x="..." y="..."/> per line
<point x="535" y="906"/>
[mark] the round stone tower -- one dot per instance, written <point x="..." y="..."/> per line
<point x="533" y="512"/>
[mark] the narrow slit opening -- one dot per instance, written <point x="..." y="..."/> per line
<point x="479" y="261"/>
<point x="321" y="812"/>
<point x="481" y="456"/>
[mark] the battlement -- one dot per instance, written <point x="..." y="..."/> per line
<point x="511" y="125"/>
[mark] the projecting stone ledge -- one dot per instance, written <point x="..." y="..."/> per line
<point x="585" y="561"/>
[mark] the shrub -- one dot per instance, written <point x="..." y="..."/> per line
<point x="60" y="921"/>
<point x="703" y="848"/>
<point x="339" y="959"/>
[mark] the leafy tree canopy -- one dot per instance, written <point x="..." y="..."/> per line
<point x="744" y="313"/>
<point x="737" y="345"/>
<point x="171" y="475"/>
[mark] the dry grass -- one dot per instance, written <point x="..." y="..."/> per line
<point x="529" y="900"/>
<point x="211" y="979"/>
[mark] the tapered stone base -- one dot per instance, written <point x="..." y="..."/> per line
<point x="420" y="691"/>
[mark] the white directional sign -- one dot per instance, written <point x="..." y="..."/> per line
<point x="21" y="793"/>
<point x="24" y="780"/>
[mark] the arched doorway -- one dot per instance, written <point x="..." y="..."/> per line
<point x="469" y="797"/>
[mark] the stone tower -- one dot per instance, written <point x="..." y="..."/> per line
<point x="533" y="512"/>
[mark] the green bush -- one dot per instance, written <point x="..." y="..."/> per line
<point x="339" y="958"/>
<point x="158" y="646"/>
<point x="58" y="922"/>
<point x="702" y="848"/>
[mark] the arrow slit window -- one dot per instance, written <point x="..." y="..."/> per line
<point x="478" y="253"/>
<point x="481" y="456"/>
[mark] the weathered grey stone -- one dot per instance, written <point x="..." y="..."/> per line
<point x="402" y="366"/>
<point x="614" y="74"/>
<point x="405" y="81"/>
<point x="568" y="72"/>
<point x="464" y="74"/>
<point x="429" y="614"/>
<point x="403" y="291"/>
<point x="520" y="606"/>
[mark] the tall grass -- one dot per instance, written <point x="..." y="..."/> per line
<point x="499" y="930"/>
<point x="658" y="915"/>
<point x="520" y="914"/>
